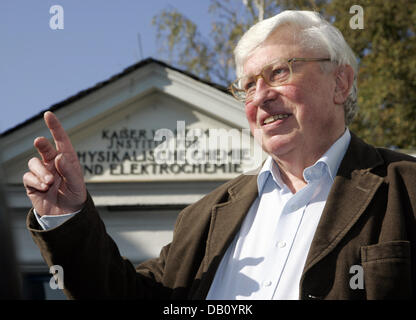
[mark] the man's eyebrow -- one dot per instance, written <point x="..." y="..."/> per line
<point x="265" y="65"/>
<point x="260" y="69"/>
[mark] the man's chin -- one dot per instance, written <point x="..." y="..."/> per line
<point x="278" y="149"/>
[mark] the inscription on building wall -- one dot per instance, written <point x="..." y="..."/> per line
<point x="135" y="154"/>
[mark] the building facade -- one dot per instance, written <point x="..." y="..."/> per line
<point x="151" y="140"/>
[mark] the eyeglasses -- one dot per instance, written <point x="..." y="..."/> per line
<point x="275" y="74"/>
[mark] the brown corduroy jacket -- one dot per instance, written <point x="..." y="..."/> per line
<point x="369" y="221"/>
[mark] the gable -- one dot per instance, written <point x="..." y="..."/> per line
<point x="112" y="129"/>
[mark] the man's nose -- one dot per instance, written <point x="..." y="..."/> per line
<point x="262" y="91"/>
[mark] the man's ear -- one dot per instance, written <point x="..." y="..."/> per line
<point x="344" y="81"/>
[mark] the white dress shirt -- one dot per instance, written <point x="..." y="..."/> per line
<point x="266" y="258"/>
<point x="49" y="222"/>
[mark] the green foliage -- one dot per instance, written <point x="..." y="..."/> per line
<point x="211" y="59"/>
<point x="386" y="49"/>
<point x="180" y="35"/>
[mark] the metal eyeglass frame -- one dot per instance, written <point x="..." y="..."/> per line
<point x="236" y="92"/>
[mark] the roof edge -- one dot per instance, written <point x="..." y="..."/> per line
<point x="81" y="94"/>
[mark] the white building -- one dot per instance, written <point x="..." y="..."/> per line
<point x="112" y="126"/>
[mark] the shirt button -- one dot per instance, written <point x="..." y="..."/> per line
<point x="267" y="283"/>
<point x="281" y="244"/>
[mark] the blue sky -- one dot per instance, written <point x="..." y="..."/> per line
<point x="40" y="66"/>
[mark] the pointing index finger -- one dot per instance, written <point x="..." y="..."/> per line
<point x="62" y="141"/>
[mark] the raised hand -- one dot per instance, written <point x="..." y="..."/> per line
<point x="55" y="183"/>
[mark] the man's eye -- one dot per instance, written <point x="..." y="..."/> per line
<point x="279" y="72"/>
<point x="249" y="85"/>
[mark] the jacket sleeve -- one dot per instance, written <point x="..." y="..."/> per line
<point x="93" y="267"/>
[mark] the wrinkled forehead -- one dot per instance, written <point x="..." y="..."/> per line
<point x="283" y="43"/>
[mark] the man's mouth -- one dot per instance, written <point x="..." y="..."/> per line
<point x="275" y="118"/>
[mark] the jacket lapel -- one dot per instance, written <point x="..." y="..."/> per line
<point x="226" y="220"/>
<point x="352" y="191"/>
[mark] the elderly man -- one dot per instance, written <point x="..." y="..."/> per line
<point x="324" y="210"/>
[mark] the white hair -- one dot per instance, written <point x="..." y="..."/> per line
<point x="312" y="32"/>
